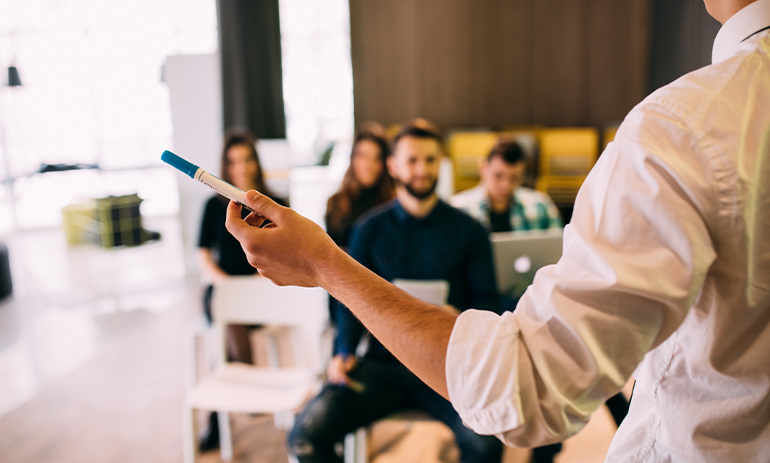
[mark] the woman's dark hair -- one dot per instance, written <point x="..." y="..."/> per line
<point x="340" y="204"/>
<point x="238" y="136"/>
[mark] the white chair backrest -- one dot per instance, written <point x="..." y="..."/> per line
<point x="254" y="300"/>
<point x="433" y="292"/>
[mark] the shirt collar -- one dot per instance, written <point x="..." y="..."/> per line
<point x="402" y="215"/>
<point x="741" y="26"/>
<point x="486" y="203"/>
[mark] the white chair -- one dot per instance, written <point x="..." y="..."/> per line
<point x="236" y="387"/>
<point x="433" y="292"/>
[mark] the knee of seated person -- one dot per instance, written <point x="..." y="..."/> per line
<point x="309" y="428"/>
<point x="300" y="442"/>
<point x="301" y="448"/>
<point x="475" y="447"/>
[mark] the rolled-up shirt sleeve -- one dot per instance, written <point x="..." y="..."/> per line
<point x="635" y="257"/>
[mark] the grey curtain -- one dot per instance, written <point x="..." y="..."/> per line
<point x="250" y="47"/>
<point x="682" y="37"/>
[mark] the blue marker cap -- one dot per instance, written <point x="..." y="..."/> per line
<point x="178" y="163"/>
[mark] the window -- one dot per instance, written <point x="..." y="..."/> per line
<point x="91" y="87"/>
<point x="317" y="72"/>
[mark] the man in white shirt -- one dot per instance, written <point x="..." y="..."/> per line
<point x="665" y="274"/>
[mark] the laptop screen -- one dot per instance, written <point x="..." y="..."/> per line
<point x="519" y="254"/>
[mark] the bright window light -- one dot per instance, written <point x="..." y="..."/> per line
<point x="91" y="77"/>
<point x="91" y="83"/>
<point x="317" y="73"/>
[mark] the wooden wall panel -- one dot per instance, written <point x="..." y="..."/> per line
<point x="465" y="63"/>
<point x="560" y="47"/>
<point x="617" y="44"/>
<point x="447" y="58"/>
<point x="386" y="44"/>
<point x="683" y="34"/>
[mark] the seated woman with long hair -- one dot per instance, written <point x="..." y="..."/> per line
<point x="366" y="184"/>
<point x="219" y="253"/>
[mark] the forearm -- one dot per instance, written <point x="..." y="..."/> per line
<point x="417" y="333"/>
<point x="208" y="265"/>
<point x="293" y="250"/>
<point x="349" y="330"/>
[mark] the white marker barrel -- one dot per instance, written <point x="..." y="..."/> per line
<point x="222" y="187"/>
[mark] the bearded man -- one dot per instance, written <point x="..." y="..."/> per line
<point x="418" y="237"/>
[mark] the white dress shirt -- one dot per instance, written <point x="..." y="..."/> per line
<point x="665" y="274"/>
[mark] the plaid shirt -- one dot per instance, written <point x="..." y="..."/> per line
<point x="531" y="209"/>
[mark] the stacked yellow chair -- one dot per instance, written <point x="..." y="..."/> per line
<point x="465" y="149"/>
<point x="566" y="157"/>
<point x="608" y="135"/>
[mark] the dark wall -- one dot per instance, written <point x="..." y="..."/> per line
<point x="682" y="37"/>
<point x="499" y="62"/>
<point x="250" y="48"/>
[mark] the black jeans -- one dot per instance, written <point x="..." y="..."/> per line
<point x="387" y="388"/>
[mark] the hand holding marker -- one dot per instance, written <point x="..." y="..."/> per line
<point x="215" y="183"/>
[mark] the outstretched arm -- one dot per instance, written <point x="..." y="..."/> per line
<point x="293" y="250"/>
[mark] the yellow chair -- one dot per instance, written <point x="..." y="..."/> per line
<point x="566" y="157"/>
<point x="609" y="135"/>
<point x="465" y="149"/>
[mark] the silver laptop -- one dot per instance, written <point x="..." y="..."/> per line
<point x="433" y="292"/>
<point x="519" y="254"/>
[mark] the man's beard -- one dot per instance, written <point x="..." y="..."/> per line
<point x="416" y="193"/>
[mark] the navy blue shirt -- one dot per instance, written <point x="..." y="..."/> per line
<point x="447" y="244"/>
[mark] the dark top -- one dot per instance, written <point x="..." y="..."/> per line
<point x="340" y="233"/>
<point x="227" y="250"/>
<point x="367" y="199"/>
<point x="500" y="222"/>
<point x="446" y="245"/>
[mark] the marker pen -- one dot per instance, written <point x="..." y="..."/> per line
<point x="212" y="181"/>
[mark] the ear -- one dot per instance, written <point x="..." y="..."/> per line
<point x="482" y="164"/>
<point x="390" y="163"/>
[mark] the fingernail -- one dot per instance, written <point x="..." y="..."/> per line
<point x="252" y="195"/>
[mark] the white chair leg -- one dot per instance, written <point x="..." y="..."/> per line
<point x="350" y="448"/>
<point x="355" y="446"/>
<point x="191" y="367"/>
<point x="361" y="445"/>
<point x="189" y="432"/>
<point x="284" y="420"/>
<point x="298" y="337"/>
<point x="225" y="436"/>
<point x="273" y="356"/>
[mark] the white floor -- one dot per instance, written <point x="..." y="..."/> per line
<point x="70" y="301"/>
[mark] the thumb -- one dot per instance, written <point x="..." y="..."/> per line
<point x="263" y="205"/>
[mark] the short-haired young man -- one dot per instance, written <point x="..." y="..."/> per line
<point x="417" y="236"/>
<point x="500" y="202"/>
